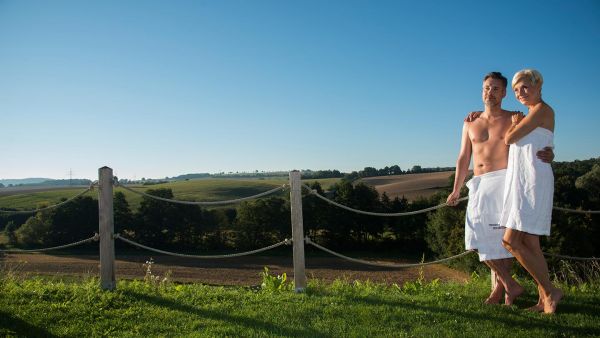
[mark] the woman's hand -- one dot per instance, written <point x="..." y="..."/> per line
<point x="473" y="116"/>
<point x="517" y="117"/>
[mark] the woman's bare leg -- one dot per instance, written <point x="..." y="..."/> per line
<point x="526" y="249"/>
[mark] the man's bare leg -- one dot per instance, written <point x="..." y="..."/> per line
<point x="510" y="286"/>
<point x="496" y="294"/>
<point x="526" y="249"/>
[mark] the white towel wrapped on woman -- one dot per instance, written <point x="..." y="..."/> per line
<point x="529" y="186"/>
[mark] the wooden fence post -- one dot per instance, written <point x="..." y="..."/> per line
<point x="297" y="230"/>
<point x="106" y="228"/>
<point x="494" y="280"/>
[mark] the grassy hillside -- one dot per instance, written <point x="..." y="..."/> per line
<point x="193" y="190"/>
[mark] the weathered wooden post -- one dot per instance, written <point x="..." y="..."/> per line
<point x="494" y="280"/>
<point x="107" y="227"/>
<point x="297" y="230"/>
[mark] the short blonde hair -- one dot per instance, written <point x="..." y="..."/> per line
<point x="532" y="75"/>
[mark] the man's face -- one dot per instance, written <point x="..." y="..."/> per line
<point x="493" y="92"/>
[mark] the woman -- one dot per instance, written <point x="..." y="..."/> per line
<point x="529" y="186"/>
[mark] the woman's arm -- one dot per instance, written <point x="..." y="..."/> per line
<point x="524" y="126"/>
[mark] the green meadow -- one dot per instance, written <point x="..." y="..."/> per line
<point x="51" y="307"/>
<point x="192" y="190"/>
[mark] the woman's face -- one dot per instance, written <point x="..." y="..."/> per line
<point x="527" y="93"/>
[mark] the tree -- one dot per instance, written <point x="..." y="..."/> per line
<point x="122" y="213"/>
<point x="590" y="182"/>
<point x="262" y="222"/>
<point x="10" y="229"/>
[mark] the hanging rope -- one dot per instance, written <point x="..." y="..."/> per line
<point x="396" y="214"/>
<point x="203" y="203"/>
<point x="314" y="192"/>
<point x="284" y="242"/>
<point x="578" y="211"/>
<point x="96" y="237"/>
<point x="385" y="265"/>
<point x="15" y="212"/>
<point x="571" y="257"/>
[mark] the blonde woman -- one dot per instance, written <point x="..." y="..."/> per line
<point x="529" y="186"/>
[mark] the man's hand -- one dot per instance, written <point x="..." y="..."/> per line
<point x="546" y="155"/>
<point x="452" y="199"/>
<point x="473" y="116"/>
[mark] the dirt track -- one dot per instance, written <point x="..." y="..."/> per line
<point x="234" y="271"/>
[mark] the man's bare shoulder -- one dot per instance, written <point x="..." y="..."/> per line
<point x="472" y="116"/>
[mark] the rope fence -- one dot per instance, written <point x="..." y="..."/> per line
<point x="384" y="265"/>
<point x="107" y="236"/>
<point x="381" y="214"/>
<point x="240" y="254"/>
<point x="94" y="238"/>
<point x="573" y="258"/>
<point x="577" y="210"/>
<point x="233" y="201"/>
<point x="16" y="212"/>
<point x="416" y="212"/>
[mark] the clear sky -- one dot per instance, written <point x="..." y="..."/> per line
<point x="161" y="88"/>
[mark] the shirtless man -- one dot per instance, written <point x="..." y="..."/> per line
<point x="483" y="138"/>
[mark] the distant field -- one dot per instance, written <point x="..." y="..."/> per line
<point x="192" y="190"/>
<point x="410" y="186"/>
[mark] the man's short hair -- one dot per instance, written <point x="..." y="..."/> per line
<point x="532" y="75"/>
<point x="497" y="76"/>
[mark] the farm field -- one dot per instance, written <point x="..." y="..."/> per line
<point x="410" y="186"/>
<point x="193" y="190"/>
<point x="241" y="271"/>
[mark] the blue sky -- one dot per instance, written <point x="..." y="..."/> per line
<point x="161" y="88"/>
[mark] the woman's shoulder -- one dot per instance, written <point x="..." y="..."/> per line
<point x="543" y="109"/>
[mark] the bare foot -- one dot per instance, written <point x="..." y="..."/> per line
<point x="496" y="295"/>
<point x="539" y="307"/>
<point x="552" y="300"/>
<point x="513" y="294"/>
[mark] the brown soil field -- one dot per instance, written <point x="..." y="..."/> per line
<point x="241" y="271"/>
<point x="410" y="186"/>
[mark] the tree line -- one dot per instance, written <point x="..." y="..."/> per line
<point x="262" y="222"/>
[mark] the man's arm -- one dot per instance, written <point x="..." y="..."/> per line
<point x="462" y="165"/>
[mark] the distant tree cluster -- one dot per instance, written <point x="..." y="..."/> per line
<point x="393" y="170"/>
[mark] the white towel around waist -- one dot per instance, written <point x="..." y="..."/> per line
<point x="483" y="231"/>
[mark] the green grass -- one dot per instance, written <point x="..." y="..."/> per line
<point x="51" y="307"/>
<point x="193" y="190"/>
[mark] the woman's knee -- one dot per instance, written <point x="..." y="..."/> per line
<point x="508" y="244"/>
<point x="512" y="243"/>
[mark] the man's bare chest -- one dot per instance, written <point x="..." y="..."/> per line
<point x="483" y="133"/>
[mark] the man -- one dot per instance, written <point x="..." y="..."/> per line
<point x="483" y="138"/>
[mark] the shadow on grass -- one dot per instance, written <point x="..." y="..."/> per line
<point x="524" y="320"/>
<point x="266" y="327"/>
<point x="13" y="326"/>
